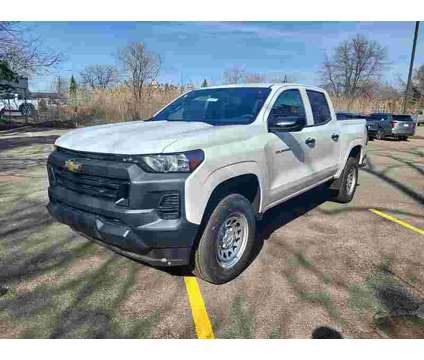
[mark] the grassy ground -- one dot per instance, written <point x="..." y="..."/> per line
<point x="321" y="264"/>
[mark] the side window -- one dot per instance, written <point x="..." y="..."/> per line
<point x="288" y="104"/>
<point x="319" y="105"/>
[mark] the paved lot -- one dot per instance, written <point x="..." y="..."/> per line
<point x="321" y="263"/>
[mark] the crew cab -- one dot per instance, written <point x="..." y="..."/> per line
<point x="186" y="187"/>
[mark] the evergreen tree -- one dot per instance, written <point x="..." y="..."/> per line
<point x="5" y="72"/>
<point x="72" y="86"/>
<point x="205" y="83"/>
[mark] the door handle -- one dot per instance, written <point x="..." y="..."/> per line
<point x="335" y="137"/>
<point x="310" y="141"/>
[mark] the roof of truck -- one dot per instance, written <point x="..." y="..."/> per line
<point x="258" y="85"/>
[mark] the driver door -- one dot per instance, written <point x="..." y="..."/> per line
<point x="289" y="153"/>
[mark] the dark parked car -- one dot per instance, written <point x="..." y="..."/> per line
<point x="391" y="125"/>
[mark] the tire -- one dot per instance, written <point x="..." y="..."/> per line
<point x="215" y="260"/>
<point x="346" y="189"/>
<point x="404" y="138"/>
<point x="379" y="135"/>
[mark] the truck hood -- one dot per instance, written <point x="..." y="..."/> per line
<point x="136" y="137"/>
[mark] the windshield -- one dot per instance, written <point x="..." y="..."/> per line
<point x="402" y="117"/>
<point x="221" y="106"/>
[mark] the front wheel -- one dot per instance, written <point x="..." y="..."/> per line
<point x="348" y="182"/>
<point x="227" y="242"/>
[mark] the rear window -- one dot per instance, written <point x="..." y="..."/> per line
<point x="402" y="117"/>
<point x="319" y="105"/>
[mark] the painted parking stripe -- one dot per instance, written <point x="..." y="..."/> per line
<point x="198" y="309"/>
<point x="397" y="221"/>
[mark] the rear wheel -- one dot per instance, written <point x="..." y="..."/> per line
<point x="348" y="182"/>
<point x="226" y="244"/>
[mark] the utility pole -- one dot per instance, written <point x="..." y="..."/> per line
<point x="411" y="67"/>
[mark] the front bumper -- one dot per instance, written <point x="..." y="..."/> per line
<point x="132" y="226"/>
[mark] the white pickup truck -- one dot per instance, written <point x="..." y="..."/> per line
<point x="186" y="187"/>
<point x="14" y="103"/>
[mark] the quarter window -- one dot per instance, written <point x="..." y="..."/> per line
<point x="319" y="105"/>
<point x="288" y="104"/>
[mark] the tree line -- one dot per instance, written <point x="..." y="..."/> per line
<point x="355" y="68"/>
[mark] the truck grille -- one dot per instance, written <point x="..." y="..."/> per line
<point x="169" y="206"/>
<point x="114" y="189"/>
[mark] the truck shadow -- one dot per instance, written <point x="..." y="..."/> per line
<point x="23" y="141"/>
<point x="288" y="211"/>
<point x="272" y="220"/>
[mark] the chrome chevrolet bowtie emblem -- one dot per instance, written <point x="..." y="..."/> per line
<point x="73" y="166"/>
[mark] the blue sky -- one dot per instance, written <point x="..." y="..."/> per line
<point x="192" y="51"/>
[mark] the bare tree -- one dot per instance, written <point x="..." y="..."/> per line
<point x="25" y="55"/>
<point x="282" y="78"/>
<point x="418" y="81"/>
<point x="254" y="78"/>
<point x="140" y="66"/>
<point x="354" y="65"/>
<point x="60" y="85"/>
<point x="234" y="75"/>
<point x="99" y="76"/>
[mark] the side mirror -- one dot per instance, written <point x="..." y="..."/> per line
<point x="286" y="123"/>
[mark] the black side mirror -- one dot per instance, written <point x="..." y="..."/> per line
<point x="286" y="123"/>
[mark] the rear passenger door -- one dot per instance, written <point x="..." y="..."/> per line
<point x="325" y="131"/>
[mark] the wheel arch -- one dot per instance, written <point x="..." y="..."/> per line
<point x="242" y="178"/>
<point x="356" y="150"/>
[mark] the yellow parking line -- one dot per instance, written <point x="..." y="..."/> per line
<point x="397" y="221"/>
<point x="198" y="309"/>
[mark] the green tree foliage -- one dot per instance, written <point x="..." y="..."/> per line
<point x="72" y="86"/>
<point x="5" y="72"/>
<point x="205" y="83"/>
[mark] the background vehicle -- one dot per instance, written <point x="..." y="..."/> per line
<point x="12" y="102"/>
<point x="378" y="126"/>
<point x="186" y="187"/>
<point x="393" y="125"/>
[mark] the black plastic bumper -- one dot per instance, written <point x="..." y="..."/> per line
<point x="135" y="229"/>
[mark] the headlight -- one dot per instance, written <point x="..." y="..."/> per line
<point x="166" y="163"/>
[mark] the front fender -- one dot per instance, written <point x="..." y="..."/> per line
<point x="198" y="189"/>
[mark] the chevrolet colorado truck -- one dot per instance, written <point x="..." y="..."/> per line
<point x="186" y="187"/>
